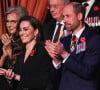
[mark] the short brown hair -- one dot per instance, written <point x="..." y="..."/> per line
<point x="78" y="8"/>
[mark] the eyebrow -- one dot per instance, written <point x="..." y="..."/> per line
<point x="11" y="20"/>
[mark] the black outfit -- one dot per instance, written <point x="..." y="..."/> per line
<point x="35" y="71"/>
<point x="48" y="29"/>
<point x="3" y="81"/>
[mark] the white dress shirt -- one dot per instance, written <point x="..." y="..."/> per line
<point x="62" y="27"/>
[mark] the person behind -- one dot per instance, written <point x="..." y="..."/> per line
<point x="9" y="49"/>
<point x="79" y="57"/>
<point x="50" y="27"/>
<point x="32" y="68"/>
<point x="12" y="16"/>
<point x="92" y="15"/>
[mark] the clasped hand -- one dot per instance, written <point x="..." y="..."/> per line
<point x="7" y="73"/>
<point x="55" y="49"/>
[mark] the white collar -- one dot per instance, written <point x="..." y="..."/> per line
<point x="78" y="34"/>
<point x="62" y="22"/>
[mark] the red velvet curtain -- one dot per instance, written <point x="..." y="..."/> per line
<point x="36" y="8"/>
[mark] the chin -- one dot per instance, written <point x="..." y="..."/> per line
<point x="24" y="42"/>
<point x="12" y="32"/>
<point x="54" y="16"/>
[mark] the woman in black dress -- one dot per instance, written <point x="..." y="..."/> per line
<point x="33" y="66"/>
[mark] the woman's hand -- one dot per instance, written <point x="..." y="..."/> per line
<point x="10" y="75"/>
<point x="6" y="40"/>
<point x="2" y="71"/>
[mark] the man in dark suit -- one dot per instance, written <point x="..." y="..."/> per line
<point x="80" y="64"/>
<point x="92" y="15"/>
<point x="50" y="27"/>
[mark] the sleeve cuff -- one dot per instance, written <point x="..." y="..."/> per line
<point x="66" y="58"/>
<point x="56" y="66"/>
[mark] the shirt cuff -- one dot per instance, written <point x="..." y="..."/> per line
<point x="66" y="58"/>
<point x="56" y="66"/>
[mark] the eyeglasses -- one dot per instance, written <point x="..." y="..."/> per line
<point x="54" y="6"/>
<point x="12" y="21"/>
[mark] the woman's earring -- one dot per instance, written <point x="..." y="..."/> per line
<point x="35" y="37"/>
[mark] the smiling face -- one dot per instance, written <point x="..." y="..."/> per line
<point x="11" y="22"/>
<point x="56" y="7"/>
<point x="27" y="32"/>
<point x="71" y="20"/>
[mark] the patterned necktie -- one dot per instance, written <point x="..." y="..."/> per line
<point x="57" y="33"/>
<point x="73" y="43"/>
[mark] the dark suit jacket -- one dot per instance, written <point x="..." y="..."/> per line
<point x="80" y="70"/>
<point x="95" y="13"/>
<point x="48" y="29"/>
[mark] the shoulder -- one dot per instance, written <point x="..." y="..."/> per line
<point x="41" y="53"/>
<point x="49" y="23"/>
<point x="97" y="2"/>
<point x="40" y="49"/>
<point x="93" y="38"/>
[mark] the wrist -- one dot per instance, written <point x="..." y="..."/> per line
<point x="17" y="77"/>
<point x="4" y="56"/>
<point x="64" y="53"/>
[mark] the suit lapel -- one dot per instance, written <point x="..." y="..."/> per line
<point x="66" y="42"/>
<point x="81" y="44"/>
<point x="84" y="34"/>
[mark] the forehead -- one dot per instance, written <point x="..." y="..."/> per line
<point x="55" y="2"/>
<point x="25" y="24"/>
<point x="68" y="9"/>
<point x="12" y="16"/>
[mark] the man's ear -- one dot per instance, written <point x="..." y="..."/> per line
<point x="80" y="16"/>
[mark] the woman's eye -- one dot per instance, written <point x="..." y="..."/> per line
<point x="25" y="29"/>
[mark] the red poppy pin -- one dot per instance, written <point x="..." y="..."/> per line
<point x="95" y="8"/>
<point x="82" y="39"/>
<point x="32" y="52"/>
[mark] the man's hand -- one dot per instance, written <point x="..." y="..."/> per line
<point x="55" y="50"/>
<point x="51" y="48"/>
